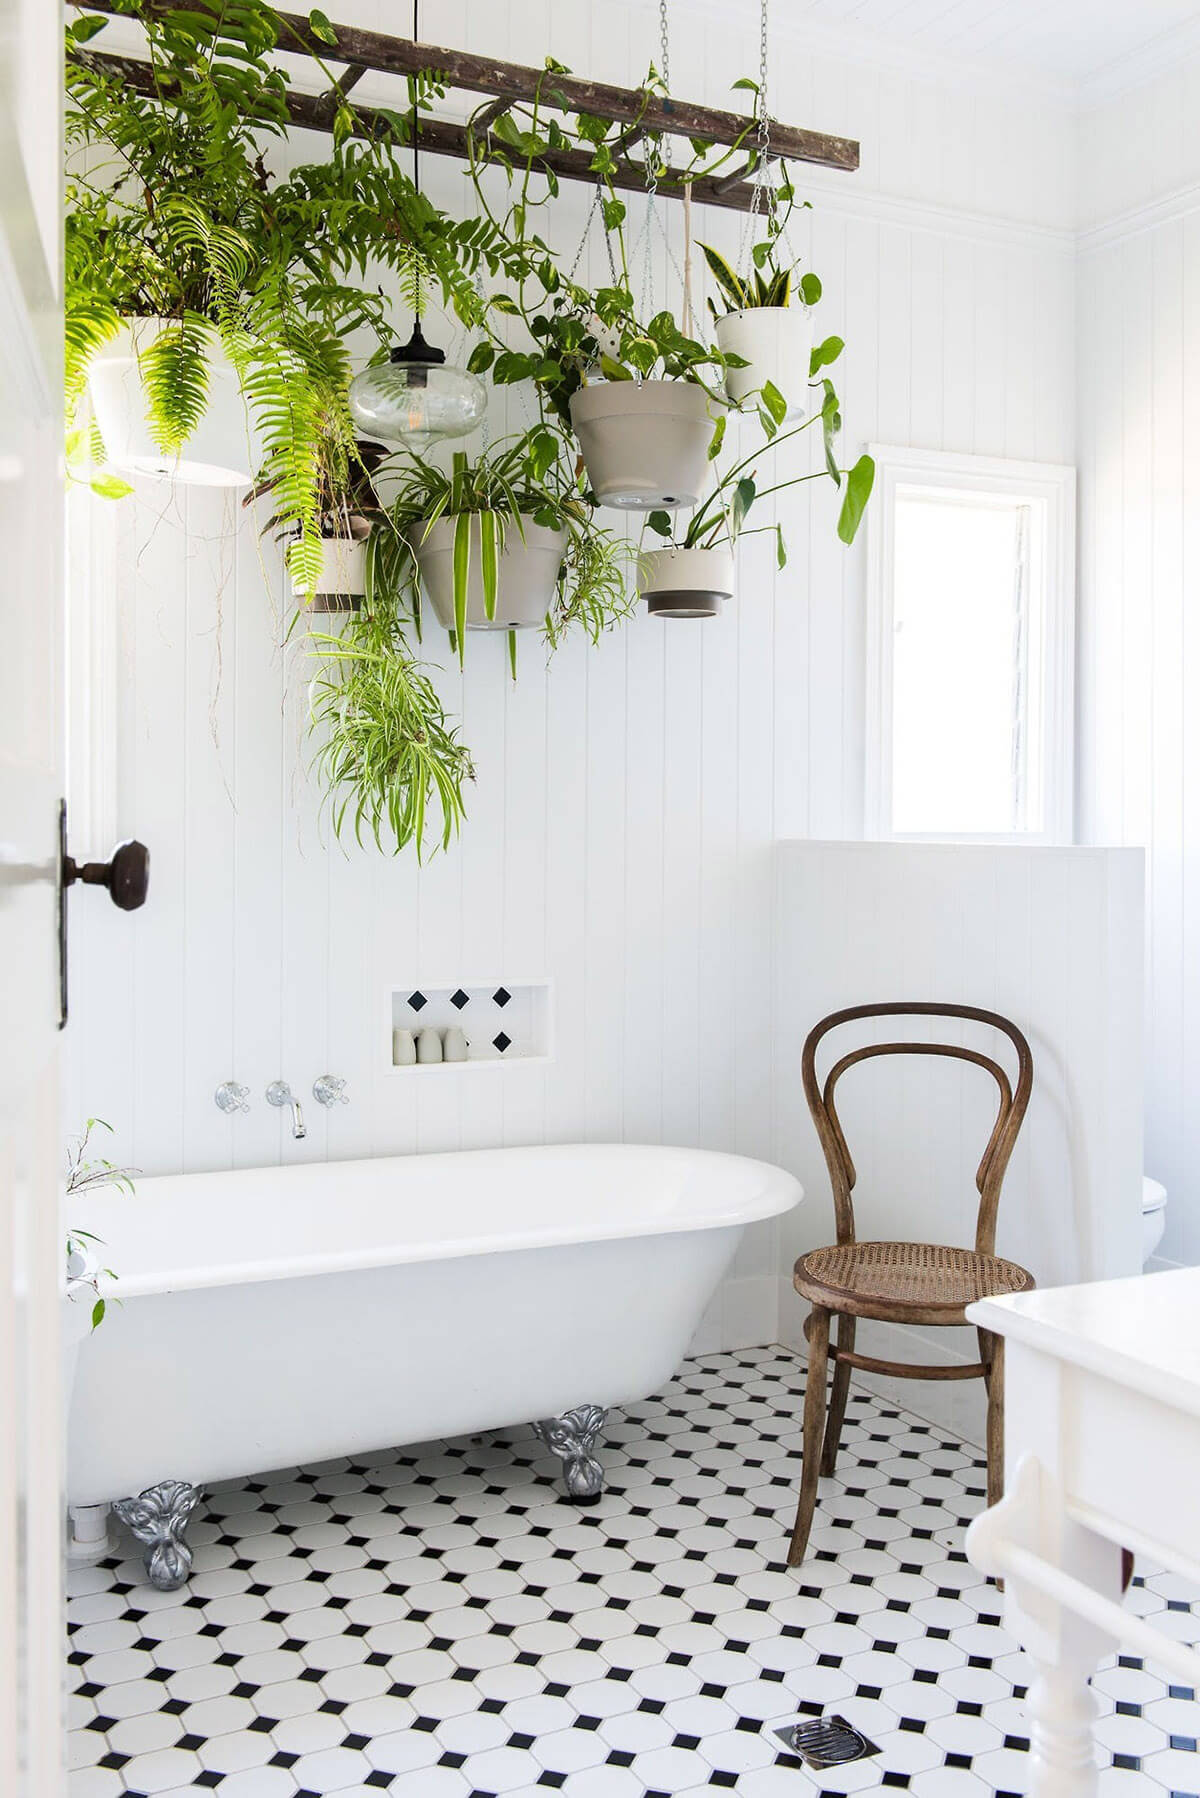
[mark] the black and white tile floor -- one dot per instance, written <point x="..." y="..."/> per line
<point x="439" y="1624"/>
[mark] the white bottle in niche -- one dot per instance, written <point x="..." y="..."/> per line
<point x="429" y="1046"/>
<point x="404" y="1049"/>
<point x="454" y="1045"/>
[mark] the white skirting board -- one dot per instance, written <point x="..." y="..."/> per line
<point x="744" y="1313"/>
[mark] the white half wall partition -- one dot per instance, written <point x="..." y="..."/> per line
<point x="1050" y="938"/>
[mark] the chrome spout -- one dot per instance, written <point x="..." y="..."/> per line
<point x="280" y="1093"/>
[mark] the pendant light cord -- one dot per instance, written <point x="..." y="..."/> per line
<point x="416" y="150"/>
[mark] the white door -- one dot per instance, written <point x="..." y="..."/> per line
<point x="31" y="1631"/>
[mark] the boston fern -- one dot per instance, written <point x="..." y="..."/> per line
<point x="174" y="213"/>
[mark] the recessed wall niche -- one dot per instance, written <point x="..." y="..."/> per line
<point x="502" y="1022"/>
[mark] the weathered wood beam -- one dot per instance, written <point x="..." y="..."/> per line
<point x="443" y="137"/>
<point x="378" y="51"/>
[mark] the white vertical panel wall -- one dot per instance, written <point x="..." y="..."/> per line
<point x="1139" y="643"/>
<point x="621" y="827"/>
<point x="1050" y="938"/>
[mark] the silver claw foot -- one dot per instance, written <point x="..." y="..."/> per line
<point x="158" y="1517"/>
<point x="572" y="1437"/>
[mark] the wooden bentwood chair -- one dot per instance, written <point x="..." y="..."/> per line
<point x="901" y="1282"/>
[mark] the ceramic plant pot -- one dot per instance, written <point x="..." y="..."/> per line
<point x="223" y="450"/>
<point x="526" y="573"/>
<point x="777" y="343"/>
<point x="645" y="443"/>
<point x="343" y="577"/>
<point x="685" y="583"/>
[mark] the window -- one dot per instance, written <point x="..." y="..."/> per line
<point x="970" y="621"/>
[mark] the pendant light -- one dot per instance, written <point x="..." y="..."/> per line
<point x="416" y="394"/>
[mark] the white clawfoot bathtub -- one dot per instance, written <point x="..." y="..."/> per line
<point x="285" y="1315"/>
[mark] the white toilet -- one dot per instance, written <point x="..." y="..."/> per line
<point x="1154" y="1215"/>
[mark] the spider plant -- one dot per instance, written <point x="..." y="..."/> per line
<point x="492" y="499"/>
<point x="388" y="755"/>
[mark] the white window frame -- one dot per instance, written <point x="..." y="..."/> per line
<point x="1050" y="487"/>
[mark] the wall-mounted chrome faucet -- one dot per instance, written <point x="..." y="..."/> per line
<point x="280" y="1093"/>
<point x="231" y="1097"/>
<point x="330" y="1090"/>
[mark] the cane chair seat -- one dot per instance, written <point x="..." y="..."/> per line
<point x="905" y="1282"/>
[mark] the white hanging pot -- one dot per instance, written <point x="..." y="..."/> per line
<point x="777" y="343"/>
<point x="342" y="581"/>
<point x="685" y="583"/>
<point x="645" y="443"/>
<point x="526" y="573"/>
<point x="223" y="450"/>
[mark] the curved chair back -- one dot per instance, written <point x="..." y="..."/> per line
<point x="1010" y="1114"/>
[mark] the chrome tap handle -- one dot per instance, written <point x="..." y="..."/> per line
<point x="330" y="1090"/>
<point x="280" y="1093"/>
<point x="231" y="1096"/>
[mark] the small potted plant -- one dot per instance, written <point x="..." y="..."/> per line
<point x="502" y="542"/>
<point x="349" y="506"/>
<point x="693" y="575"/>
<point x="766" y="327"/>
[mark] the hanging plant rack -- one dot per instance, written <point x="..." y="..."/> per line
<point x="509" y="84"/>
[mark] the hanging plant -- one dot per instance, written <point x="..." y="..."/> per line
<point x="765" y="325"/>
<point x="197" y="281"/>
<point x="387" y="754"/>
<point x="503" y="541"/>
<point x="692" y="577"/>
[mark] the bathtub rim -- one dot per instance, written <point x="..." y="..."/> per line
<point x="777" y="1193"/>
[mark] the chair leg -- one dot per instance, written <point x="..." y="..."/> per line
<point x="837" y="1398"/>
<point x="994" y="1359"/>
<point x="814" y="1430"/>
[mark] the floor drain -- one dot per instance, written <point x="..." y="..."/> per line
<point x="826" y="1742"/>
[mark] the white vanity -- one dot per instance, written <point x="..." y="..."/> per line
<point x="1102" y="1452"/>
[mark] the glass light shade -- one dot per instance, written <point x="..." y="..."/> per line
<point x="416" y="394"/>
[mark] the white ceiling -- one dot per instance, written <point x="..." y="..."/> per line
<point x="1073" y="43"/>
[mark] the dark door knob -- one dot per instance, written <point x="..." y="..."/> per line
<point x="127" y="875"/>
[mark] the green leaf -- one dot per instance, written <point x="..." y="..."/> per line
<point x="729" y="283"/>
<point x="488" y="561"/>
<point x="859" y="481"/>
<point x="810" y="288"/>
<point x="320" y="27"/>
<point x="83" y="29"/>
<point x="98" y="1310"/>
<point x="744" y="81"/>
<point x="780" y="548"/>
<point x="344" y="125"/>
<point x="512" y="653"/>
<point x="744" y="495"/>
<point x="110" y="486"/>
<point x="718" y="436"/>
<point x="660" y="522"/>
<point x="825" y="353"/>
<point x="500" y="302"/>
<point x="773" y="402"/>
<point x="612" y="370"/>
<point x="480" y="359"/>
<point x="462" y="574"/>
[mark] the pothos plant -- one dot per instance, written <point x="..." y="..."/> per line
<point x="578" y="334"/>
<point x="86" y="1173"/>
<point x="174" y="213"/>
